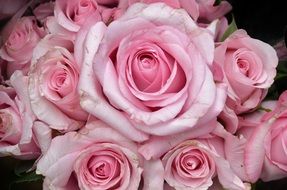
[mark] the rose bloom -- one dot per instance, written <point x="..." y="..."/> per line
<point x="151" y="77"/>
<point x="22" y="39"/>
<point x="53" y="81"/>
<point x="193" y="163"/>
<point x="72" y="14"/>
<point x="97" y="157"/>
<point x="17" y="120"/>
<point x="249" y="68"/>
<point x="260" y="148"/>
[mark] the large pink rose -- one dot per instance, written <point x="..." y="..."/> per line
<point x="72" y="14"/>
<point x="17" y="120"/>
<point x="53" y="81"/>
<point x="97" y="157"/>
<point x="249" y="70"/>
<point x="153" y="76"/>
<point x="18" y="48"/>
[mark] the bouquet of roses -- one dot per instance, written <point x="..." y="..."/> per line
<point x="139" y="94"/>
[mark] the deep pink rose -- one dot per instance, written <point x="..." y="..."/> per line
<point x="53" y="81"/>
<point x="153" y="76"/>
<point x="72" y="14"/>
<point x="17" y="120"/>
<point x="18" y="48"/>
<point x="249" y="68"/>
<point x="97" y="157"/>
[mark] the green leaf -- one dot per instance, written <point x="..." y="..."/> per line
<point x="217" y="2"/>
<point x="282" y="67"/>
<point x="27" y="177"/>
<point x="23" y="166"/>
<point x="231" y="28"/>
<point x="253" y="186"/>
<point x="281" y="70"/>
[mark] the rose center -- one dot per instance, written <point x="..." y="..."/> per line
<point x="82" y="10"/>
<point x="102" y="171"/>
<point x="191" y="163"/>
<point x="16" y="40"/>
<point x="57" y="80"/>
<point x="243" y="66"/>
<point x="146" y="62"/>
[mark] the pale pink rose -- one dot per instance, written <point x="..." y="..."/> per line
<point x="97" y="157"/>
<point x="249" y="68"/>
<point x="25" y="35"/>
<point x="153" y="76"/>
<point x="17" y="120"/>
<point x="194" y="164"/>
<point x="53" y="81"/>
<point x="268" y="140"/>
<point x="72" y="14"/>
<point x="211" y="153"/>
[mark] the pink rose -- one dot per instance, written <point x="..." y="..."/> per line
<point x="152" y="77"/>
<point x="97" y="157"/>
<point x="249" y="67"/>
<point x="18" y="48"/>
<point x="259" y="151"/>
<point x="72" y="14"/>
<point x="206" y="155"/>
<point x="194" y="164"/>
<point x="269" y="141"/>
<point x="53" y="81"/>
<point x="17" y="120"/>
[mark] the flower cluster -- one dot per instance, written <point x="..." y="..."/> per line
<point x="139" y="94"/>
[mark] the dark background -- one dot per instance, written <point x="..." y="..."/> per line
<point x="262" y="19"/>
